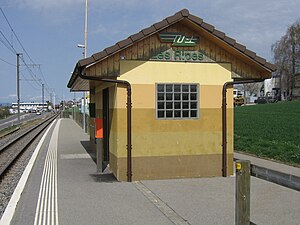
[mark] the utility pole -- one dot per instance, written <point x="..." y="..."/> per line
<point x="18" y="85"/>
<point x="43" y="99"/>
<point x="84" y="50"/>
<point x="51" y="100"/>
<point x="54" y="101"/>
<point x="63" y="100"/>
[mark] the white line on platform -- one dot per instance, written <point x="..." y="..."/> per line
<point x="47" y="206"/>
<point x="75" y="156"/>
<point x="11" y="207"/>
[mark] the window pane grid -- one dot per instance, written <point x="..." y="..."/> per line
<point x="177" y="101"/>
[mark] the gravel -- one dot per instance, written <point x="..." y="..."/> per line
<point x="11" y="178"/>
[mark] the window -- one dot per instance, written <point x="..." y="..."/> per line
<point x="177" y="101"/>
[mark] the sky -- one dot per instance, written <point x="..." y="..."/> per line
<point x="50" y="30"/>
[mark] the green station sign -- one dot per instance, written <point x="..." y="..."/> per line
<point x="178" y="39"/>
<point x="179" y="55"/>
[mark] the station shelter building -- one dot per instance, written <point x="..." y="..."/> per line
<point x="158" y="96"/>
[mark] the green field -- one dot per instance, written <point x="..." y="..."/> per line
<point x="269" y="130"/>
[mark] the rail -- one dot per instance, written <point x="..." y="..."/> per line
<point x="9" y="155"/>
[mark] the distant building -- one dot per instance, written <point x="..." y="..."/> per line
<point x="296" y="89"/>
<point x="271" y="88"/>
<point x="29" y="106"/>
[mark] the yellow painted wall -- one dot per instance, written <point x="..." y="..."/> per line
<point x="150" y="72"/>
<point x="153" y="137"/>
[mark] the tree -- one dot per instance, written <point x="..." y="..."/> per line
<point x="252" y="88"/>
<point x="4" y="112"/>
<point x="287" y="58"/>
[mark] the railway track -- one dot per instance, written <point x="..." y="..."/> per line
<point x="14" y="156"/>
<point x="10" y="152"/>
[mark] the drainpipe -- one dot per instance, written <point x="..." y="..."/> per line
<point x="128" y="105"/>
<point x="224" y="121"/>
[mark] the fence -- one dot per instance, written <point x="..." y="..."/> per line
<point x="77" y="116"/>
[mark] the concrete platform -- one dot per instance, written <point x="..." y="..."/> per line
<point x="75" y="194"/>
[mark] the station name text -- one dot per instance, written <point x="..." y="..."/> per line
<point x="179" y="55"/>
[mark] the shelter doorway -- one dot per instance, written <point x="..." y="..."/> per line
<point x="106" y="127"/>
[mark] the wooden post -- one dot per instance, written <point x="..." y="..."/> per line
<point x="242" y="193"/>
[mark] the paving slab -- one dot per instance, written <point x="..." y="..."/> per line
<point x="212" y="200"/>
<point x="85" y="197"/>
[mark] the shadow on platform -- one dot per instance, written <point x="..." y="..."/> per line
<point x="104" y="177"/>
<point x="88" y="148"/>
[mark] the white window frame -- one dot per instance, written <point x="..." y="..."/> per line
<point x="177" y="104"/>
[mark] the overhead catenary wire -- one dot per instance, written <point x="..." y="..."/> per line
<point x="15" y="35"/>
<point x="47" y="88"/>
<point x="7" y="44"/>
<point x="11" y="48"/>
<point x="7" y="62"/>
<point x="28" y="81"/>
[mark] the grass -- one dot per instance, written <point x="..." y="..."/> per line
<point x="269" y="130"/>
<point x="8" y="130"/>
<point x="23" y="125"/>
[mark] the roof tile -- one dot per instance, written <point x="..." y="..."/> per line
<point x="219" y="34"/>
<point x="124" y="42"/>
<point x="250" y="53"/>
<point x="99" y="55"/>
<point x="172" y="19"/>
<point x="185" y="13"/>
<point x="148" y="30"/>
<point x="208" y="26"/>
<point x="136" y="36"/>
<point x="229" y="40"/>
<point x="260" y="60"/>
<point x="86" y="61"/>
<point x="240" y="47"/>
<point x="195" y="19"/>
<point x="270" y="66"/>
<point x="112" y="49"/>
<point x="160" y="24"/>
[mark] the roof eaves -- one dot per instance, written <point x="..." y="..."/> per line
<point x="74" y="75"/>
<point x="270" y="66"/>
<point x="260" y="60"/>
<point x="86" y="61"/>
<point x="232" y="42"/>
<point x="134" y="38"/>
<point x="167" y="22"/>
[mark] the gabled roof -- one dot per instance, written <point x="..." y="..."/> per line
<point x="155" y="28"/>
